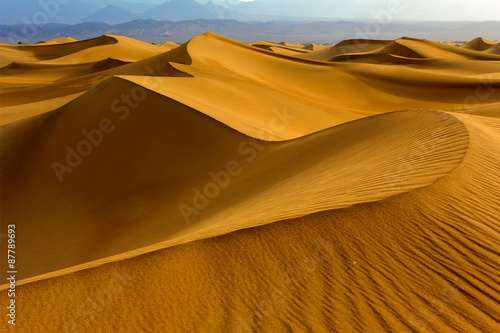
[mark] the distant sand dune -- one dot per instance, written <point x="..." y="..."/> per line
<point x="216" y="186"/>
<point x="495" y="49"/>
<point x="285" y="48"/>
<point x="406" y="47"/>
<point x="346" y="47"/>
<point x="24" y="73"/>
<point x="60" y="40"/>
<point x="170" y="45"/>
<point x="34" y="73"/>
<point x="478" y="44"/>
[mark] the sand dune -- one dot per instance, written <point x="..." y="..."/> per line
<point x="347" y="47"/>
<point x="81" y="51"/>
<point x="403" y="49"/>
<point x="286" y="48"/>
<point x="222" y="187"/>
<point x="170" y="45"/>
<point x="478" y="44"/>
<point x="24" y="73"/>
<point x="59" y="40"/>
<point x="34" y="73"/>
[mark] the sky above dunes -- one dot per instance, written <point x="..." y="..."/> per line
<point x="265" y="10"/>
<point x="410" y="9"/>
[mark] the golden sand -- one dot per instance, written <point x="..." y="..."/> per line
<point x="216" y="186"/>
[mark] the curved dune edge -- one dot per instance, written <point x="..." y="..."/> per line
<point x="478" y="44"/>
<point x="364" y="83"/>
<point x="322" y="94"/>
<point x="47" y="52"/>
<point x="72" y="67"/>
<point x="25" y="73"/>
<point x="89" y="50"/>
<point x="21" y="112"/>
<point x="330" y="271"/>
<point x="439" y="147"/>
<point x="406" y="47"/>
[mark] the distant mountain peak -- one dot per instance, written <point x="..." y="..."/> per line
<point x="178" y="10"/>
<point x="110" y="14"/>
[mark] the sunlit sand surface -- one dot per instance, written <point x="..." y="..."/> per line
<point x="216" y="186"/>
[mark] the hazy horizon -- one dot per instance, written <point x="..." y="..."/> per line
<point x="291" y="20"/>
<point x="76" y="11"/>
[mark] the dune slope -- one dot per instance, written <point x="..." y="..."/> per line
<point x="60" y="70"/>
<point x="222" y="187"/>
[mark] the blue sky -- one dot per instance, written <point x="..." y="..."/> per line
<point x="337" y="9"/>
<point x="412" y="9"/>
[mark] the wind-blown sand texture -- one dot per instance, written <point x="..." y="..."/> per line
<point x="222" y="187"/>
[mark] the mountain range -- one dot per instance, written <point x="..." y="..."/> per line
<point x="173" y="10"/>
<point x="108" y="11"/>
<point x="317" y="32"/>
<point x="41" y="12"/>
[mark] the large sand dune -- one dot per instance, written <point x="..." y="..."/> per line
<point x="222" y="187"/>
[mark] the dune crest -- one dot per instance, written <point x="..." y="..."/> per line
<point x="478" y="44"/>
<point x="339" y="179"/>
<point x="267" y="187"/>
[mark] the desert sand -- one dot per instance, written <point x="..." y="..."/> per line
<point x="216" y="186"/>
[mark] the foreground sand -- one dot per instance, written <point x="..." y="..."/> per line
<point x="222" y="187"/>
